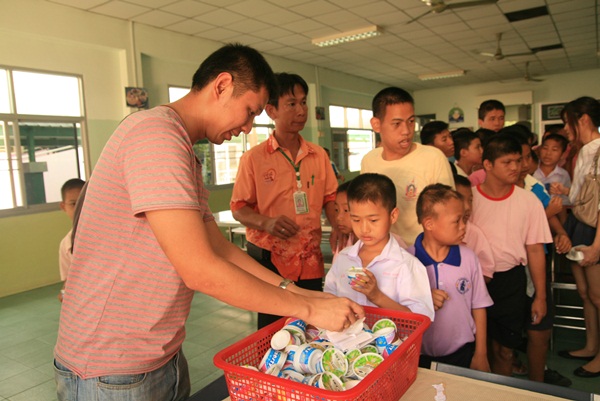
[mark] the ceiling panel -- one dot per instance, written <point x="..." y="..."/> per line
<point x="448" y="40"/>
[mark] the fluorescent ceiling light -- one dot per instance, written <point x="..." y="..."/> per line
<point x="348" y="36"/>
<point x="441" y="75"/>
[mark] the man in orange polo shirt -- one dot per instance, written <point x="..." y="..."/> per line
<point x="282" y="185"/>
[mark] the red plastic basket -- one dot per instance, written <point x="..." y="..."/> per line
<point x="389" y="381"/>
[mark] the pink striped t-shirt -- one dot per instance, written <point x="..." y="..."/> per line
<point x="125" y="306"/>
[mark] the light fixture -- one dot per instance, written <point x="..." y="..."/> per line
<point x="348" y="36"/>
<point x="442" y="75"/>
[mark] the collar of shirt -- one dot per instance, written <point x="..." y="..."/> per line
<point x="273" y="145"/>
<point x="453" y="257"/>
<point x="391" y="251"/>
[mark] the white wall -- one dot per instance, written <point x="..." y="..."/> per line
<point x="555" y="89"/>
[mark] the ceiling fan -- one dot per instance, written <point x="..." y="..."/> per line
<point x="528" y="77"/>
<point x="498" y="55"/>
<point x="438" y="6"/>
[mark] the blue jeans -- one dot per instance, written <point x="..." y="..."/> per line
<point x="171" y="382"/>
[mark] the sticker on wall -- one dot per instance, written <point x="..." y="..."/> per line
<point x="320" y="113"/>
<point x="456" y="115"/>
<point x="136" y="97"/>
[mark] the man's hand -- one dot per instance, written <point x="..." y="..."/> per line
<point x="281" y="227"/>
<point x="335" y="314"/>
<point x="591" y="255"/>
<point x="538" y="310"/>
<point x="480" y="362"/>
<point x="439" y="297"/>
<point x="554" y="206"/>
<point x="562" y="243"/>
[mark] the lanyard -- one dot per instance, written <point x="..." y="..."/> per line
<point x="296" y="168"/>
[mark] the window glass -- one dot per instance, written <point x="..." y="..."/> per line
<point x="353" y="118"/>
<point x="4" y="94"/>
<point x="46" y="94"/>
<point x="360" y="142"/>
<point x="336" y="116"/>
<point x="366" y="116"/>
<point x="177" y="92"/>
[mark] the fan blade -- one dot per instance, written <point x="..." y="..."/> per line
<point x="470" y="4"/>
<point x="488" y="54"/>
<point x="419" y="17"/>
<point x="519" y="54"/>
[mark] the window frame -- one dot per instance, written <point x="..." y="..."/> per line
<point x="16" y="119"/>
<point x="337" y="133"/>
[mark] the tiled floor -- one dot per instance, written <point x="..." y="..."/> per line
<point x="28" y="325"/>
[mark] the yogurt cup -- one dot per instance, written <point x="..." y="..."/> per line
<point x="369" y="349"/>
<point x="334" y="361"/>
<point x="348" y="384"/>
<point x="306" y="359"/>
<point x="282" y="339"/>
<point x="574" y="254"/>
<point x="329" y="381"/>
<point x="381" y="323"/>
<point x="293" y="375"/>
<point x="384" y="337"/>
<point x="365" y="364"/>
<point x="272" y="358"/>
<point x="289" y="360"/>
<point x="297" y="327"/>
<point x="353" y="272"/>
<point x="387" y="351"/>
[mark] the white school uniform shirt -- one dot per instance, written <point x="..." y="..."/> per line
<point x="399" y="275"/>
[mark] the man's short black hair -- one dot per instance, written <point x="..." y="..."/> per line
<point x="389" y="96"/>
<point x="501" y="144"/>
<point x="430" y="130"/>
<point x="562" y="141"/>
<point x="249" y="69"/>
<point x="373" y="187"/>
<point x="489" y="105"/>
<point x="285" y="85"/>
<point x="462" y="140"/>
<point x="73" y="183"/>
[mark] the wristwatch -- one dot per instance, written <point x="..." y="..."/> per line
<point x="285" y="283"/>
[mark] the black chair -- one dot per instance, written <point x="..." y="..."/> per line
<point x="215" y="391"/>
<point x="542" y="388"/>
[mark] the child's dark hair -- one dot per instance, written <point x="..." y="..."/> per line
<point x="462" y="181"/>
<point x="430" y="130"/>
<point x="520" y="133"/>
<point x="285" y="85"/>
<point x="501" y="145"/>
<point x="343" y="187"/>
<point x="373" y="187"/>
<point x="562" y="141"/>
<point x="462" y="140"/>
<point x="73" y="183"/>
<point x="432" y="195"/>
<point x="489" y="105"/>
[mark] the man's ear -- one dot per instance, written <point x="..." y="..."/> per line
<point x="222" y="83"/>
<point x="271" y="111"/>
<point x="487" y="165"/>
<point x="480" y="122"/>
<point x="376" y="124"/>
<point x="463" y="152"/>
<point x="63" y="206"/>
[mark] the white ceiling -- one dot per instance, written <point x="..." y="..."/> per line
<point x="447" y="41"/>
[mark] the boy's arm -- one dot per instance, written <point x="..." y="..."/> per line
<point x="562" y="243"/>
<point x="536" y="261"/>
<point x="480" y="360"/>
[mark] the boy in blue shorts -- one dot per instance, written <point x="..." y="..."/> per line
<point x="457" y="336"/>
<point x="391" y="278"/>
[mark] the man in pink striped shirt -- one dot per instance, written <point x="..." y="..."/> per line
<point x="146" y="240"/>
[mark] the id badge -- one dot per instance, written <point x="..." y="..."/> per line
<point x="300" y="202"/>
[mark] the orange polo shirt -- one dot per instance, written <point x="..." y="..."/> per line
<point x="266" y="182"/>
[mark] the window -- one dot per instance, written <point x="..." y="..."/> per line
<point x="220" y="162"/>
<point x="352" y="136"/>
<point x="41" y="136"/>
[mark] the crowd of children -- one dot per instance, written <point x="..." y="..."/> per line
<point x="483" y="246"/>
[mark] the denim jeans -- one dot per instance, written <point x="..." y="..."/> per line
<point x="171" y="382"/>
